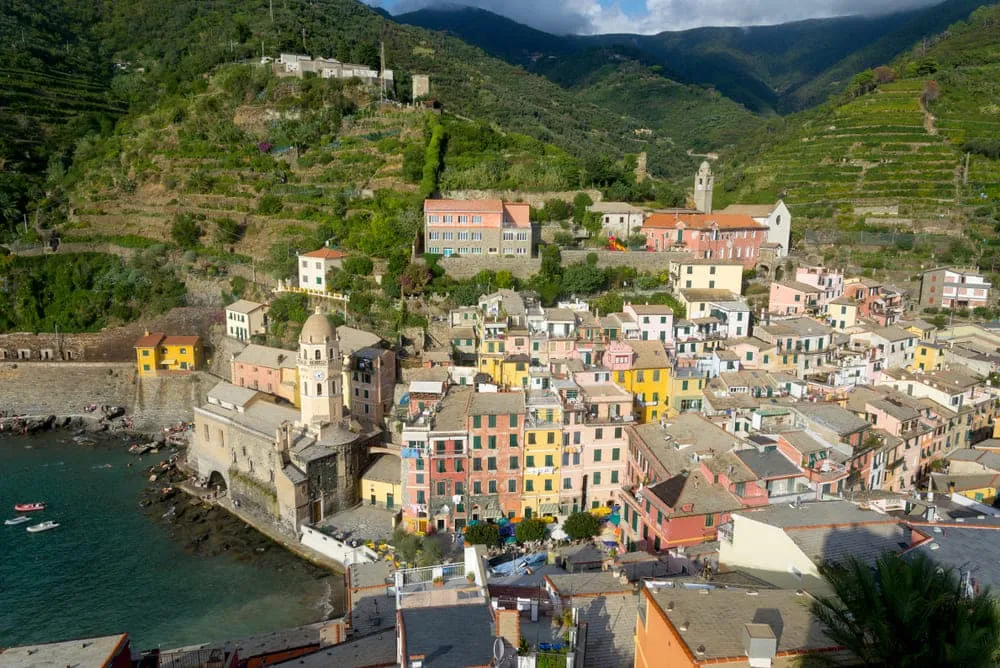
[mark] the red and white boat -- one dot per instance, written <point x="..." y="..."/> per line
<point x="29" y="507"/>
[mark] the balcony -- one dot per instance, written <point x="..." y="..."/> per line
<point x="434" y="586"/>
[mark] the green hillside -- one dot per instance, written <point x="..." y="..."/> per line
<point x="878" y="158"/>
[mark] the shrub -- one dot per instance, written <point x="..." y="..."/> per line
<point x="269" y="205"/>
<point x="530" y="530"/>
<point x="581" y="525"/>
<point x="227" y="231"/>
<point x="185" y="231"/>
<point x="483" y="534"/>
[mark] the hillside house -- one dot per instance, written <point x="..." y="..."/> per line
<point x="829" y="281"/>
<point x="245" y="318"/>
<point x="314" y="266"/>
<point x="706" y="235"/>
<point x="478" y="227"/>
<point x="701" y="274"/>
<point x="775" y="217"/>
<point x="619" y="219"/>
<point x="947" y="287"/>
<point x="793" y="298"/>
<point x="158" y="353"/>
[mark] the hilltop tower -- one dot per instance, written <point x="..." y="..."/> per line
<point x="320" y="373"/>
<point x="703" y="182"/>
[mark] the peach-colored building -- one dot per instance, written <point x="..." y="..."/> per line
<point x="793" y="298"/>
<point x="270" y="370"/>
<point x="477" y="227"/>
<point x="724" y="236"/>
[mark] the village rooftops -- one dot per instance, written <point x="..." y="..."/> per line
<point x="708" y="295"/>
<point x="452" y="415"/>
<point x="843" y="301"/>
<point x="244" y="306"/>
<point x="968" y="547"/>
<point x="731" y="466"/>
<point x="692" y="494"/>
<point x="893" y="334"/>
<point x="97" y="652"/>
<point x="375" y="649"/>
<point x="768" y="465"/>
<point x="231" y="396"/>
<point x="703" y="221"/>
<point x="496" y="403"/>
<point x="363" y="575"/>
<point x="947" y="380"/>
<point x="986" y="458"/>
<point x="517" y="214"/>
<point x="559" y="315"/>
<point x="154" y="339"/>
<point x="449" y="636"/>
<point x="947" y="482"/>
<point x="895" y="409"/>
<point x="753" y="210"/>
<point x="615" y="207"/>
<point x="832" y="416"/>
<point x="325" y="254"/>
<point x="352" y="339"/>
<point x="801" y="287"/>
<point x="272" y="358"/>
<point x="650" y="309"/>
<point x="384" y="469"/>
<point x="587" y="584"/>
<point x="804" y="442"/>
<point x="796" y="327"/>
<point x="712" y="622"/>
<point x="648" y="355"/>
<point x="816" y="514"/>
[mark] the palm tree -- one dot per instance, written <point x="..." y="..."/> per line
<point x="909" y="613"/>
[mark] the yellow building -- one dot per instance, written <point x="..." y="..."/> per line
<point x="648" y="379"/>
<point x="380" y="484"/>
<point x="542" y="451"/>
<point x="978" y="487"/>
<point x="157" y="352"/>
<point x="702" y="274"/>
<point x="928" y="356"/>
<point x="686" y="392"/>
<point x="924" y="330"/>
<point x="841" y="313"/>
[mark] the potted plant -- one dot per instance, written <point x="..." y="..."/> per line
<point x="470" y="577"/>
<point x="438" y="581"/>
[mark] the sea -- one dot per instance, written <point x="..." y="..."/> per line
<point x="110" y="568"/>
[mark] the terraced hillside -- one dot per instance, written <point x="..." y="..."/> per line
<point x="257" y="160"/>
<point x="892" y="157"/>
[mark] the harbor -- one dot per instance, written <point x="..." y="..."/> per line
<point x="113" y="564"/>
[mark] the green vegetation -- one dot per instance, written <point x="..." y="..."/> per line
<point x="581" y="525"/>
<point x="83" y="292"/>
<point x="908" y="612"/>
<point x="483" y="534"/>
<point x="530" y="530"/>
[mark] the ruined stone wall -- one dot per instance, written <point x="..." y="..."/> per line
<point x="468" y="266"/>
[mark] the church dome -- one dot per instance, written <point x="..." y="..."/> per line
<point x="317" y="329"/>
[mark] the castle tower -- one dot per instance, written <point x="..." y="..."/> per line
<point x="320" y="380"/>
<point x="703" y="182"/>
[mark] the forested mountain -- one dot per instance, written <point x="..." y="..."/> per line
<point x="766" y="68"/>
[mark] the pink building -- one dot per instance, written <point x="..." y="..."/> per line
<point x="655" y="321"/>
<point x="477" y="227"/>
<point x="793" y="298"/>
<point x="722" y="236"/>
<point x="271" y="370"/>
<point x="829" y="281"/>
<point x="371" y="384"/>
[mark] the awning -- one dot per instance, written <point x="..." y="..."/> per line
<point x="548" y="509"/>
<point x="170" y="362"/>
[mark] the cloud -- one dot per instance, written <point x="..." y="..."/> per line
<point x="653" y="16"/>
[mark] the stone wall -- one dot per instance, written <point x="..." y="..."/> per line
<point x="54" y="388"/>
<point x="536" y="200"/>
<point x="466" y="267"/>
<point x="114" y="344"/>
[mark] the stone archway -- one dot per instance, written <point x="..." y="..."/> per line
<point x="217" y="482"/>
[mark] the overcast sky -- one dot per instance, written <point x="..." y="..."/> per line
<point x="653" y="16"/>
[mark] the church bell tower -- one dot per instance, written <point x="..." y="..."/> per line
<point x="704" y="180"/>
<point x="320" y="374"/>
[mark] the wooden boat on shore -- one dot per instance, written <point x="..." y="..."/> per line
<point x="44" y="526"/>
<point x="17" y="520"/>
<point x="29" y="507"/>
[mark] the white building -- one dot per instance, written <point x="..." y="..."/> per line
<point x="245" y="318"/>
<point x="776" y="217"/>
<point x="313" y="267"/>
<point x="619" y="219"/>
<point x="895" y="346"/>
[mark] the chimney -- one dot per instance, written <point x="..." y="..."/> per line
<point x="760" y="645"/>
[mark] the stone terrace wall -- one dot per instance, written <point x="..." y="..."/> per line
<point x="535" y="199"/>
<point x="468" y="266"/>
<point x="62" y="388"/>
<point x="115" y="344"/>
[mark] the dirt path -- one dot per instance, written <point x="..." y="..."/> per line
<point x="928" y="119"/>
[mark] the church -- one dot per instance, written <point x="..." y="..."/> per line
<point x="293" y="465"/>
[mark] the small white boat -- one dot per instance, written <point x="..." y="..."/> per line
<point x="44" y="526"/>
<point x="17" y="520"/>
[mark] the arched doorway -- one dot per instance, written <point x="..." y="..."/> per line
<point x="217" y="482"/>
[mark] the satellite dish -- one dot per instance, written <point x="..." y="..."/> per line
<point x="498" y="649"/>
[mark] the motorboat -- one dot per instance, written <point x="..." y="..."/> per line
<point x="17" y="520"/>
<point x="44" y="526"/>
<point x="29" y="507"/>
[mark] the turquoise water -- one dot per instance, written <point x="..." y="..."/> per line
<point x="110" y="568"/>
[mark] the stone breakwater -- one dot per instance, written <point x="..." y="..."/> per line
<point x="53" y="391"/>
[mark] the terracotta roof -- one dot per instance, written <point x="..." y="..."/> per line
<point x="181" y="340"/>
<point x="150" y="340"/>
<point x="704" y="221"/>
<point x="463" y="205"/>
<point x="326" y="254"/>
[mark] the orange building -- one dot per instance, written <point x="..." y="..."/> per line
<point x="678" y="627"/>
